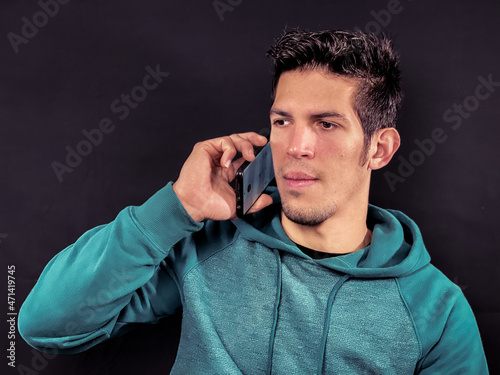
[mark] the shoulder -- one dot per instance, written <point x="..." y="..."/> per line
<point x="192" y="250"/>
<point x="434" y="303"/>
<point x="444" y="323"/>
<point x="429" y="291"/>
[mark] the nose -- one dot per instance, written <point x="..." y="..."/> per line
<point x="301" y="142"/>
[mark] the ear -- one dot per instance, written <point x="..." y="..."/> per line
<point x="385" y="142"/>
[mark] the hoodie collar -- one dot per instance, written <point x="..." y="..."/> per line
<point x="396" y="248"/>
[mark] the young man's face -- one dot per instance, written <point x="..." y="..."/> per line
<point x="317" y="143"/>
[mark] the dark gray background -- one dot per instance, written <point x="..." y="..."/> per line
<point x="65" y="78"/>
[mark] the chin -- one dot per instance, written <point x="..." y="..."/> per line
<point x="307" y="215"/>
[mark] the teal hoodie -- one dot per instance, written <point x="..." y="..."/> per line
<point x="252" y="302"/>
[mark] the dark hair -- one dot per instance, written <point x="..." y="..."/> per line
<point x="365" y="57"/>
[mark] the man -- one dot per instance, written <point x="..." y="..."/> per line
<point x="315" y="280"/>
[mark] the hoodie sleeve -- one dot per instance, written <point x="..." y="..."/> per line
<point x="112" y="275"/>
<point x="459" y="350"/>
<point x="444" y="323"/>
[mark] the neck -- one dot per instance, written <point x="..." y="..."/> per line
<point x="344" y="232"/>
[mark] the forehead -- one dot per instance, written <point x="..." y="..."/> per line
<point x="317" y="89"/>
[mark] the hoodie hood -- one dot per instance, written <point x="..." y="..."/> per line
<point x="396" y="248"/>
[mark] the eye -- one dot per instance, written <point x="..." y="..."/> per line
<point x="281" y="122"/>
<point x="327" y="125"/>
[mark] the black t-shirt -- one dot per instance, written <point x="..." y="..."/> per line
<point x="314" y="254"/>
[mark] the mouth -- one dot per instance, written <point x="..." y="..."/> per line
<point x="298" y="180"/>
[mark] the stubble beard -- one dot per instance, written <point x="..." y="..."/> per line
<point x="308" y="216"/>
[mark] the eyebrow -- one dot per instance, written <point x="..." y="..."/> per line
<point x="277" y="111"/>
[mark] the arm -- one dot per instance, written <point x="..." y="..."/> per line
<point x="109" y="277"/>
<point x="459" y="350"/>
<point x="444" y="323"/>
<point x="115" y="274"/>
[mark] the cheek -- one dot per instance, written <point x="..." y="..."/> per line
<point x="331" y="152"/>
<point x="349" y="150"/>
<point x="276" y="149"/>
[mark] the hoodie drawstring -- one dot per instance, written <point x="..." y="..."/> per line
<point x="326" y="325"/>
<point x="276" y="308"/>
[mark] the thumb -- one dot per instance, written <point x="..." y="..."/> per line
<point x="263" y="201"/>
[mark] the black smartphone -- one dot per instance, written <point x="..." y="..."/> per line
<point x="252" y="179"/>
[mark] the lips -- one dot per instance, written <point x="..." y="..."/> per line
<point x="297" y="180"/>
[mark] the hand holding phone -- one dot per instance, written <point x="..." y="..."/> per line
<point x="204" y="183"/>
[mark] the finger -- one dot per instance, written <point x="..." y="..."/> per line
<point x="238" y="163"/>
<point x="224" y="149"/>
<point x="232" y="145"/>
<point x="230" y="172"/>
<point x="245" y="142"/>
<point x="235" y="165"/>
<point x="254" y="138"/>
<point x="227" y="156"/>
<point x="263" y="201"/>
